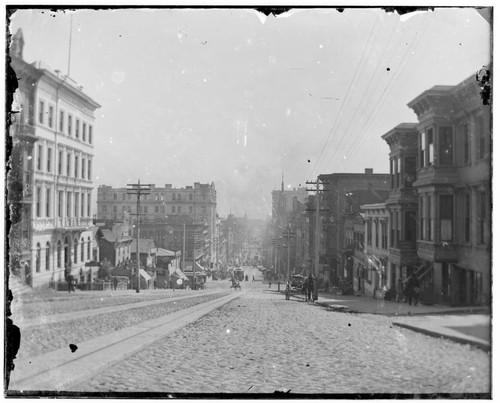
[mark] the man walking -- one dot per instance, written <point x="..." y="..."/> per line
<point x="413" y="289"/>
<point x="69" y="278"/>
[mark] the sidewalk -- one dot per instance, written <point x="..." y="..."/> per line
<point x="466" y="325"/>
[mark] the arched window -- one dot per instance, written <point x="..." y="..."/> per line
<point x="38" y="257"/>
<point x="88" y="250"/>
<point x="173" y="196"/>
<point x="178" y="196"/>
<point x="59" y="251"/>
<point x="47" y="257"/>
<point x="123" y="196"/>
<point x="82" y="251"/>
<point x="115" y="196"/>
<point x="75" y="251"/>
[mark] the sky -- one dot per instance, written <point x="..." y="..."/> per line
<point x="231" y="97"/>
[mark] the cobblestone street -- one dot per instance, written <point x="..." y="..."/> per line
<point x="261" y="343"/>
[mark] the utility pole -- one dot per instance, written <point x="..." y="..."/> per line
<point x="183" y="246"/>
<point x="317" y="222"/>
<point x="275" y="244"/>
<point x="288" y="233"/>
<point x="138" y="190"/>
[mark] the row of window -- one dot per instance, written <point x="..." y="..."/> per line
<point x="445" y="146"/>
<point x="47" y="117"/>
<point x="403" y="171"/>
<point x="455" y="223"/>
<point x="379" y="228"/>
<point x="456" y="216"/>
<point x="157" y="209"/>
<point x="157" y="196"/>
<point x="47" y="263"/>
<point x="76" y="166"/>
<point x="77" y="204"/>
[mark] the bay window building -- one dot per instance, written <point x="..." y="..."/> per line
<point x="453" y="181"/>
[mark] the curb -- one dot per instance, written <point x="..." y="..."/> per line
<point x="465" y="311"/>
<point x="462" y="340"/>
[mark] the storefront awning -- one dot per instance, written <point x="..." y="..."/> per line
<point x="144" y="274"/>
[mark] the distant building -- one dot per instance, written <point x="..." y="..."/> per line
<point x="377" y="273"/>
<point x="166" y="215"/>
<point x="60" y="116"/>
<point x="285" y="206"/>
<point x="115" y="244"/>
<point x="346" y="193"/>
<point x="147" y="250"/>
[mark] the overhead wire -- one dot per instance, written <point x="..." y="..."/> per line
<point x="399" y="69"/>
<point x="345" y="99"/>
<point x="336" y="151"/>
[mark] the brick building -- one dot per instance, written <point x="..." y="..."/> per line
<point x="345" y="194"/>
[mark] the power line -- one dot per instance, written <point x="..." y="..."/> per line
<point x="345" y="99"/>
<point x="402" y="64"/>
<point x="336" y="150"/>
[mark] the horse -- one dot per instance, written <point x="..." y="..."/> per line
<point x="307" y="291"/>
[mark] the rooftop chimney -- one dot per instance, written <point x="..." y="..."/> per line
<point x="368" y="170"/>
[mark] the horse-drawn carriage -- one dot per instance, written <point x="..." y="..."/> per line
<point x="302" y="287"/>
<point x="235" y="284"/>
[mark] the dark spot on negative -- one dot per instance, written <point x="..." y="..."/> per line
<point x="388" y="69"/>
<point x="73" y="347"/>
<point x="348" y="324"/>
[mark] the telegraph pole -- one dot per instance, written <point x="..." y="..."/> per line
<point x="317" y="222"/>
<point x="138" y="190"/>
<point x="288" y="233"/>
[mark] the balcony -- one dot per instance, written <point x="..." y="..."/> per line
<point x="436" y="175"/>
<point x="404" y="253"/>
<point x="51" y="223"/>
<point x="443" y="252"/>
<point x="24" y="131"/>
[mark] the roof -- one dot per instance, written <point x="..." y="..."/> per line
<point x="145" y="246"/>
<point x="177" y="272"/>
<point x="110" y="236"/>
<point x="199" y="269"/>
<point x="165" y="252"/>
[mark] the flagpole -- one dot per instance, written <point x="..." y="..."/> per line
<point x="70" y="40"/>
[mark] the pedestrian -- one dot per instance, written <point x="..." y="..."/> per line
<point x="115" y="282"/>
<point x="309" y="287"/>
<point x="314" y="290"/>
<point x="413" y="289"/>
<point x="69" y="278"/>
<point x="253" y="278"/>
<point x="269" y="283"/>
<point x="399" y="290"/>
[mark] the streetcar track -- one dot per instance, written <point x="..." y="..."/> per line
<point x="60" y="369"/>
<point x="66" y="316"/>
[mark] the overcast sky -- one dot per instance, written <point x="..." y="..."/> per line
<point x="226" y="96"/>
